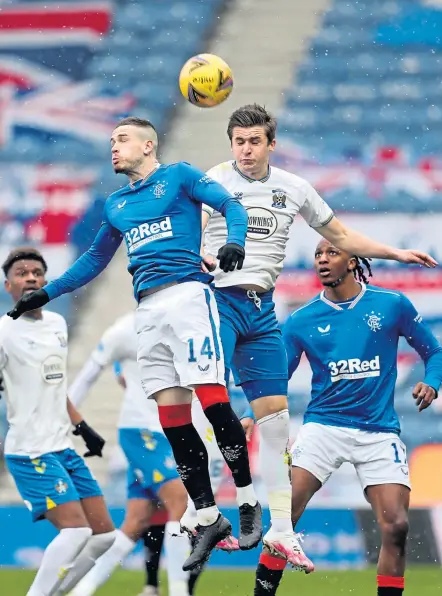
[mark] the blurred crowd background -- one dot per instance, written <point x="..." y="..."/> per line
<point x="357" y="89"/>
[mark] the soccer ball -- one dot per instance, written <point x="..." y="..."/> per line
<point x="206" y="80"/>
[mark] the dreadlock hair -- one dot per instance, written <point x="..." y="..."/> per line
<point x="358" y="271"/>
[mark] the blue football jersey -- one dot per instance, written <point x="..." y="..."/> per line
<point x="352" y="349"/>
<point x="159" y="219"/>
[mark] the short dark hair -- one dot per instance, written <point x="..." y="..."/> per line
<point x="135" y="121"/>
<point x="27" y="253"/>
<point x="140" y="123"/>
<point x="253" y="115"/>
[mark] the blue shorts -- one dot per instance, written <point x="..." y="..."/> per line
<point x="151" y="462"/>
<point x="252" y="342"/>
<point x="51" y="479"/>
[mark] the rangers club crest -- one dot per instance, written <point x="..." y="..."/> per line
<point x="279" y="198"/>
<point x="159" y="190"/>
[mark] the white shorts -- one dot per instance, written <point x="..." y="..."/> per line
<point x="178" y="338"/>
<point x="378" y="458"/>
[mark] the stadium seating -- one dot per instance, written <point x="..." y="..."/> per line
<point x="134" y="61"/>
<point x="365" y="103"/>
<point x="369" y="79"/>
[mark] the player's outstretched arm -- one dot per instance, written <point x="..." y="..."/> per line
<point x="421" y="338"/>
<point x="356" y="243"/>
<point x="84" y="270"/>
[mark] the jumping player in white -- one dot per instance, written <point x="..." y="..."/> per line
<point x="350" y="335"/>
<point x="51" y="477"/>
<point x="157" y="214"/>
<point x="252" y="343"/>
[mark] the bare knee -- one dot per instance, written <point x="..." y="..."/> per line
<point x="67" y="515"/>
<point x="137" y="519"/>
<point x="268" y="405"/>
<point x="395" y="531"/>
<point x="174" y="497"/>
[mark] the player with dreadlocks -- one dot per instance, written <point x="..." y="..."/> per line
<point x="349" y="334"/>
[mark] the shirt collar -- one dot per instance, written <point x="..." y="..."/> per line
<point x="353" y="303"/>
<point x="238" y="171"/>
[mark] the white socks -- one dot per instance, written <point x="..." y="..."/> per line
<point x="246" y="494"/>
<point x="208" y="515"/>
<point x="96" y="546"/>
<point x="274" y="438"/>
<point x="58" y="559"/>
<point x="105" y="565"/>
<point x="177" y="549"/>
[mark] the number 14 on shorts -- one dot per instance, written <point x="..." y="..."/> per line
<point x="205" y="350"/>
<point x="400" y="454"/>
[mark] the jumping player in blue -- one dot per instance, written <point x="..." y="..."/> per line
<point x="350" y="335"/>
<point x="158" y="214"/>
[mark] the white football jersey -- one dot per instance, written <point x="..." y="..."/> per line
<point x="119" y="343"/>
<point x="33" y="363"/>
<point x="272" y="204"/>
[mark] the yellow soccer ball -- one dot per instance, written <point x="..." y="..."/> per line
<point x="206" y="80"/>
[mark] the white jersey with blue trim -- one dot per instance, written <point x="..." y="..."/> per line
<point x="119" y="344"/>
<point x="33" y="362"/>
<point x="272" y="204"/>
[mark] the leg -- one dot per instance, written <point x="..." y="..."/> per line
<point x="390" y="504"/>
<point x="206" y="432"/>
<point x="157" y="322"/>
<point x="103" y="537"/>
<point x="271" y="566"/>
<point x="208" y="346"/>
<point x="137" y="519"/>
<point x="48" y="491"/>
<point x="229" y="434"/>
<point x="153" y="542"/>
<point x="174" y="407"/>
<point x="382" y="468"/>
<point x="216" y="471"/>
<point x="61" y="553"/>
<point x="174" y="497"/>
<point x="193" y="466"/>
<point x="259" y="365"/>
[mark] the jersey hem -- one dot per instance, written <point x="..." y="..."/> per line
<point x="34" y="454"/>
<point x="371" y="428"/>
<point x="198" y="276"/>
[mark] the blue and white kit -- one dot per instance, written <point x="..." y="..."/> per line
<point x="159" y="218"/>
<point x="352" y="348"/>
<point x="251" y="338"/>
<point x="38" y="449"/>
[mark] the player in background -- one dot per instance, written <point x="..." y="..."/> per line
<point x="350" y="334"/>
<point x="52" y="479"/>
<point x="252" y="343"/>
<point x="152" y="474"/>
<point x="157" y="214"/>
<point x="153" y="544"/>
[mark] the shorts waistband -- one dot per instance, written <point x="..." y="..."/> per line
<point x="156" y="289"/>
<point x="245" y="294"/>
